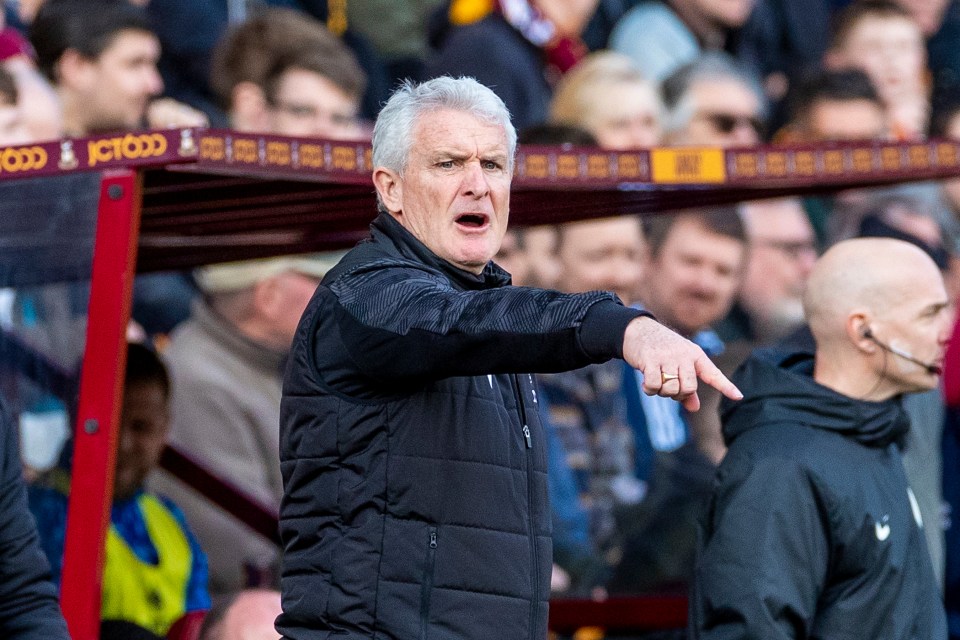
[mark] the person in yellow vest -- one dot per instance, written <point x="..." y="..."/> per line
<point x="155" y="571"/>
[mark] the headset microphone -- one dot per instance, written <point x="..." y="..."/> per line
<point x="931" y="368"/>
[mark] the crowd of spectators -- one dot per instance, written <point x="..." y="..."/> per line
<point x="629" y="473"/>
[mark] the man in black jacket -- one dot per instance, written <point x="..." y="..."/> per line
<point x="412" y="456"/>
<point x="28" y="599"/>
<point x="813" y="531"/>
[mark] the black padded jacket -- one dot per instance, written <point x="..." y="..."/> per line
<point x="415" y="490"/>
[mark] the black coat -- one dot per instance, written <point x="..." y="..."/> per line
<point x="413" y="460"/>
<point x="29" y="609"/>
<point x="812" y="531"/>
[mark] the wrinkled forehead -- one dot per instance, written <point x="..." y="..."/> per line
<point x="449" y="129"/>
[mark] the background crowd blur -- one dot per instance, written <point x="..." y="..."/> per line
<point x="629" y="474"/>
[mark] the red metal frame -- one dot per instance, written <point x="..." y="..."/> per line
<point x="98" y="413"/>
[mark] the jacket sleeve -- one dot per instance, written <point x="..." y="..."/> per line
<point x="764" y="561"/>
<point x="404" y="322"/>
<point x="29" y="609"/>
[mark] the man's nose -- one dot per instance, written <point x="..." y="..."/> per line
<point x="153" y="82"/>
<point x="474" y="181"/>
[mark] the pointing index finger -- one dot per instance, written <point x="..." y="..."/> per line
<point x="709" y="373"/>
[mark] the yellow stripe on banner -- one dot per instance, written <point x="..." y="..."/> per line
<point x="685" y="166"/>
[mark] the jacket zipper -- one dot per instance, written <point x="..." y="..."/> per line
<point x="534" y="599"/>
<point x="427" y="583"/>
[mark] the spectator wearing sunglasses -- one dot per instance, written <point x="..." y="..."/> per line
<point x="713" y="101"/>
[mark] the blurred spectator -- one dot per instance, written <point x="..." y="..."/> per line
<point x="518" y="48"/>
<point x="12" y="129"/>
<point x="882" y="38"/>
<point x="663" y="35"/>
<point x="835" y="105"/>
<point x="283" y="72"/>
<point x="713" y="101"/>
<point x="398" y="31"/>
<point x="40" y="110"/>
<point x="628" y="116"/>
<point x="782" y="40"/>
<point x="226" y="365"/>
<point x="695" y="259"/>
<point x="155" y="573"/>
<point x="769" y="306"/>
<point x="540" y="242"/>
<point x="586" y="408"/>
<point x="946" y="124"/>
<point x="247" y="615"/>
<point x="513" y="257"/>
<point x="783" y="250"/>
<point x="102" y="58"/>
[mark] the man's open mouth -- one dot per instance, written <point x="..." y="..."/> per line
<point x="473" y="220"/>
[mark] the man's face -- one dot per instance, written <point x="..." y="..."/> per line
<point x="692" y="280"/>
<point x="782" y="254"/>
<point x="918" y="324"/>
<point x="891" y="51"/>
<point x="728" y="14"/>
<point x="602" y="255"/>
<point x="310" y="105"/>
<point x="846" y="120"/>
<point x="454" y="195"/>
<point x="285" y="297"/>
<point x="726" y="114"/>
<point x="627" y="118"/>
<point x="144" y="421"/>
<point x="117" y="86"/>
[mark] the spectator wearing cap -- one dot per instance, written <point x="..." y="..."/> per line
<point x="226" y="366"/>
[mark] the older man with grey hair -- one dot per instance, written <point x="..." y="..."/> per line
<point x="412" y="454"/>
<point x="714" y="101"/>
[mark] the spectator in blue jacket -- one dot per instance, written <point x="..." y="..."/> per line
<point x="155" y="572"/>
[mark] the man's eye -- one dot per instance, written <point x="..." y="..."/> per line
<point x="445" y="164"/>
<point x="491" y="165"/>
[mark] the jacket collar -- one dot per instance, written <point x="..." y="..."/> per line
<point x="386" y="228"/>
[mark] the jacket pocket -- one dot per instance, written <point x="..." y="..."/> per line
<point x="426" y="587"/>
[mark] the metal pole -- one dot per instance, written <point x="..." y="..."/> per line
<point x="98" y="413"/>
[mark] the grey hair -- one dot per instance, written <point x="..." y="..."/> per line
<point x="392" y="133"/>
<point x="712" y="65"/>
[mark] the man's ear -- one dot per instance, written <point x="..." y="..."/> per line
<point x="74" y="70"/>
<point x="859" y="332"/>
<point x="389" y="186"/>
<point x="248" y="108"/>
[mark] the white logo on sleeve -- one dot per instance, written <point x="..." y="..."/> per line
<point x="490" y="378"/>
<point x="882" y="529"/>
<point x="915" y="507"/>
